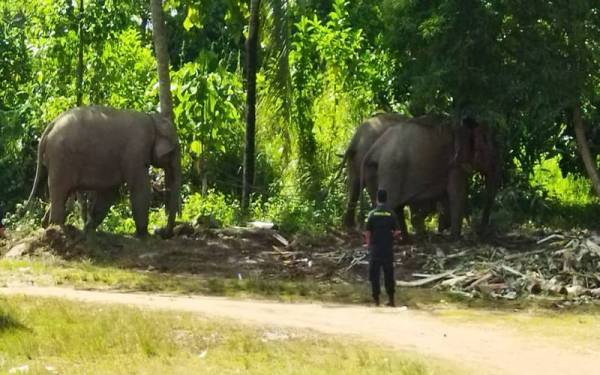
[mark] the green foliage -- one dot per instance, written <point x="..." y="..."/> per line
<point x="294" y="214"/>
<point x="215" y="205"/>
<point x="324" y="67"/>
<point x="569" y="190"/>
<point x="208" y="100"/>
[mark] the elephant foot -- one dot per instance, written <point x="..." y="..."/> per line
<point x="164" y="233"/>
<point x="349" y="222"/>
<point x="141" y="234"/>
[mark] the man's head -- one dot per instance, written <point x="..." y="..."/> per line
<point x="381" y="196"/>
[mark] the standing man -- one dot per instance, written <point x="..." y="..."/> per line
<point x="381" y="229"/>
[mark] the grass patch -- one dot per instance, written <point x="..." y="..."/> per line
<point x="74" y="338"/>
<point x="580" y="327"/>
<point x="53" y="271"/>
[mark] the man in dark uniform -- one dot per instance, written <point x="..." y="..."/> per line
<point x="381" y="229"/>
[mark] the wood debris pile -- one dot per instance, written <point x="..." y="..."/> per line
<point x="565" y="264"/>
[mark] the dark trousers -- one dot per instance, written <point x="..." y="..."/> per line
<point x="375" y="267"/>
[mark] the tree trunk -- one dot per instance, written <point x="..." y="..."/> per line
<point x="584" y="149"/>
<point x="251" y="61"/>
<point x="80" y="57"/>
<point x="159" y="34"/>
<point x="173" y="171"/>
<point x="81" y="196"/>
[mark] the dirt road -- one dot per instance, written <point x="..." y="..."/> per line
<point x="491" y="351"/>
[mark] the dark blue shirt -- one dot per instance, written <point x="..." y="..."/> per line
<point x="382" y="223"/>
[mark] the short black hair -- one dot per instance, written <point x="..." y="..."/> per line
<point x="381" y="196"/>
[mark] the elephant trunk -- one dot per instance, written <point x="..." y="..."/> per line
<point x="173" y="185"/>
<point x="492" y="184"/>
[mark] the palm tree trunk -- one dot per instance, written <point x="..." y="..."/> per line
<point x="584" y="149"/>
<point x="159" y="34"/>
<point x="251" y="62"/>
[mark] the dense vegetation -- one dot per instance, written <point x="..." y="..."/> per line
<point x="526" y="68"/>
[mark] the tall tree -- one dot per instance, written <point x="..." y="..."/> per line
<point x="584" y="149"/>
<point x="172" y="174"/>
<point x="159" y="35"/>
<point x="80" y="56"/>
<point x="81" y="197"/>
<point x="251" y="66"/>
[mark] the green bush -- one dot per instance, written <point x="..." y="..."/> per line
<point x="214" y="204"/>
<point x="293" y="213"/>
<point x="569" y="190"/>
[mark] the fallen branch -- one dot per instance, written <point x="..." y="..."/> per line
<point x="425" y="281"/>
<point x="509" y="269"/>
<point x="525" y="254"/>
<point x="282" y="240"/>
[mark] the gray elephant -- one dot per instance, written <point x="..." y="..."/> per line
<point x="363" y="139"/>
<point x="429" y="158"/>
<point x="98" y="149"/>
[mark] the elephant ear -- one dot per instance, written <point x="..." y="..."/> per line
<point x="166" y="136"/>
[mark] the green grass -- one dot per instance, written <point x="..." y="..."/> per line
<point x="53" y="271"/>
<point x="75" y="338"/>
<point x="581" y="327"/>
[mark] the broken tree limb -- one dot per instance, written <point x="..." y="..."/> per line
<point x="425" y="281"/>
<point x="509" y="269"/>
<point x="525" y="254"/>
<point x="551" y="237"/>
<point x="484" y="278"/>
<point x="281" y="239"/>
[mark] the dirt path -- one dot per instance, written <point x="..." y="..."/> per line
<point x="496" y="351"/>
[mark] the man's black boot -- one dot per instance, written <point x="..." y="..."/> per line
<point x="391" y="302"/>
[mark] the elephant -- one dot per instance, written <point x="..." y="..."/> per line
<point x="429" y="158"/>
<point x="363" y="139"/>
<point x="97" y="149"/>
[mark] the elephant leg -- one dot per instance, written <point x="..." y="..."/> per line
<point x="82" y="198"/>
<point x="353" y="196"/>
<point x="444" y="215"/>
<point x="457" y="192"/>
<point x="99" y="207"/>
<point x="399" y="210"/>
<point x="58" y="199"/>
<point x="371" y="183"/>
<point x="140" y="192"/>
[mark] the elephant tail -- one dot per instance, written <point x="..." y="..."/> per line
<point x="40" y="170"/>
<point x="340" y="167"/>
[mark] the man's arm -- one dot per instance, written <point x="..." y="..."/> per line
<point x="368" y="230"/>
<point x="367" y="235"/>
